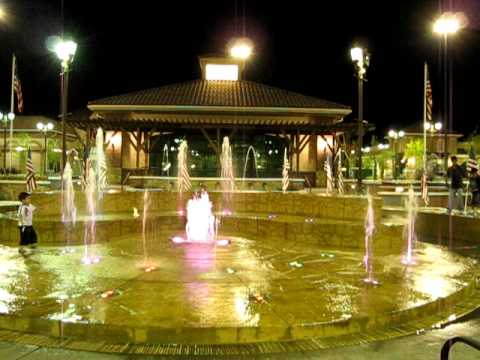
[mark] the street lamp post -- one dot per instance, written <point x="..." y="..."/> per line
<point x="44" y="128"/>
<point x="394" y="136"/>
<point x="361" y="60"/>
<point x="447" y="25"/>
<point x="65" y="51"/>
<point x="5" y="119"/>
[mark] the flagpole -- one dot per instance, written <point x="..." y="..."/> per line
<point x="425" y="79"/>
<point x="12" y="99"/>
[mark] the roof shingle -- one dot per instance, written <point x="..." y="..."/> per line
<point x="240" y="93"/>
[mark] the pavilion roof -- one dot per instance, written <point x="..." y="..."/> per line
<point x="208" y="96"/>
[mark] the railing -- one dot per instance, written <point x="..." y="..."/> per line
<point x="444" y="354"/>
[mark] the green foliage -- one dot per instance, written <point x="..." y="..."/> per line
<point x="53" y="156"/>
<point x="22" y="140"/>
<point x="414" y="148"/>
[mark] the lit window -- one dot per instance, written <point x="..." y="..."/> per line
<point x="221" y="72"/>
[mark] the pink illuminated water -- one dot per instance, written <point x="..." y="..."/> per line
<point x="201" y="225"/>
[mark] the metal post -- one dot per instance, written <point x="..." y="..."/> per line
<point x="5" y="148"/>
<point x="360" y="132"/>
<point x="64" y="95"/>
<point x="12" y="96"/>
<point x="445" y="102"/>
<point x="46" y="151"/>
<point x="425" y="78"/>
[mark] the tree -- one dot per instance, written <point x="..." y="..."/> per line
<point x="414" y="149"/>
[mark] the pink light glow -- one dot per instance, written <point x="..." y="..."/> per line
<point x="227" y="212"/>
<point x="178" y="239"/>
<point x="89" y="260"/>
<point x="200" y="220"/>
<point x="107" y="294"/>
<point x="223" y="242"/>
<point x="181" y="212"/>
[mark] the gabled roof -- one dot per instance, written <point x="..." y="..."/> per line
<point x="241" y="94"/>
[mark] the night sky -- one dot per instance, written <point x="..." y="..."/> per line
<point x="301" y="46"/>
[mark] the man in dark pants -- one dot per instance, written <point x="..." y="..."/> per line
<point x="455" y="179"/>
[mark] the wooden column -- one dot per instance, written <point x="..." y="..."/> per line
<point x="146" y="141"/>
<point x="297" y="151"/>
<point x="138" y="146"/>
<point x="121" y="156"/>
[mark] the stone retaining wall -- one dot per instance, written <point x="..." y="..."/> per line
<point x="303" y="204"/>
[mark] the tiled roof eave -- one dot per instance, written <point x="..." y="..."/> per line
<point x="212" y="109"/>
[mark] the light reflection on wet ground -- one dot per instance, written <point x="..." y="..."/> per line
<point x="249" y="283"/>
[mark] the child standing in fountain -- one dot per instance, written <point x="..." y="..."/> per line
<point x="28" y="237"/>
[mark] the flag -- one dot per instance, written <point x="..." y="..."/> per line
<point x="184" y="183"/>
<point x="424" y="188"/>
<point x="101" y="164"/>
<point x="286" y="167"/>
<point x="472" y="159"/>
<point x="328" y="172"/>
<point x="17" y="86"/>
<point x="340" y="185"/>
<point x="31" y="182"/>
<point x="428" y="96"/>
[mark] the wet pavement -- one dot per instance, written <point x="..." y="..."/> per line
<point x="149" y="290"/>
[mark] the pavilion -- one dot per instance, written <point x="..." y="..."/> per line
<point x="142" y="126"/>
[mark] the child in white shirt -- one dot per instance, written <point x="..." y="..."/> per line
<point x="28" y="237"/>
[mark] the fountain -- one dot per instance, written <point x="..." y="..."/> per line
<point x="165" y="163"/>
<point x="286" y="167"/>
<point x="146" y="204"/>
<point x="90" y="220"/>
<point x="69" y="211"/>
<point x="201" y="225"/>
<point x="409" y="229"/>
<point x="101" y="163"/>
<point x="328" y="173"/>
<point x="183" y="177"/>
<point x="228" y="181"/>
<point x="369" y="230"/>
<point x="252" y="150"/>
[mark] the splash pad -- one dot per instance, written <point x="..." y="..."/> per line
<point x="293" y="273"/>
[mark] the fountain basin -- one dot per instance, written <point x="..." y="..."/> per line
<point x="247" y="292"/>
<point x="292" y="271"/>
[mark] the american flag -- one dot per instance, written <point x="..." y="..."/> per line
<point x="340" y="184"/>
<point x="86" y="168"/>
<point x="328" y="172"/>
<point x="424" y="187"/>
<point x="472" y="159"/>
<point x="428" y="98"/>
<point x="184" y="183"/>
<point x="286" y="167"/>
<point x="17" y="85"/>
<point x="31" y="182"/>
